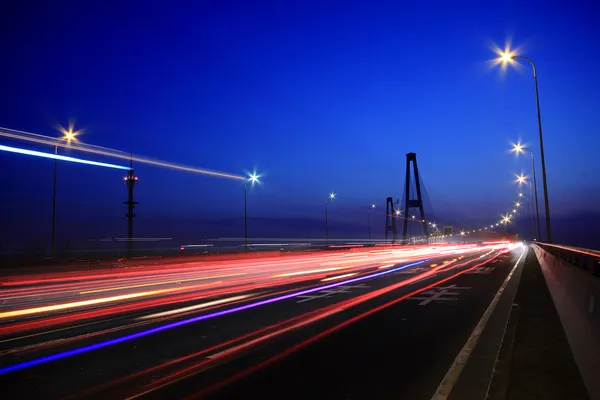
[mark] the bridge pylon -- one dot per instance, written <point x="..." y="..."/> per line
<point x="390" y="220"/>
<point x="413" y="203"/>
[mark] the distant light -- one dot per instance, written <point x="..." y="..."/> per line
<point x="521" y="179"/>
<point x="397" y="212"/>
<point x="520" y="194"/>
<point x="253" y="178"/>
<point x="332" y="195"/>
<point x="506" y="57"/>
<point x="61" y="158"/>
<point x="518" y="148"/>
<point x="413" y="216"/>
<point x="69" y="134"/>
<point x="372" y="205"/>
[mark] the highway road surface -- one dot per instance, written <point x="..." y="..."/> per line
<point x="365" y="323"/>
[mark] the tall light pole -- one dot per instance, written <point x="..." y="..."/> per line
<point x="68" y="136"/>
<point x="371" y="207"/>
<point x="507" y="57"/>
<point x="330" y="197"/>
<point x="521" y="179"/>
<point x="252" y="179"/>
<point x="518" y="148"/>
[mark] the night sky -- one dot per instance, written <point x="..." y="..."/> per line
<point x="316" y="97"/>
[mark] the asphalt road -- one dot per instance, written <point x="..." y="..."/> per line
<point x="388" y="324"/>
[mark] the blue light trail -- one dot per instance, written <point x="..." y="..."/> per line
<point x="161" y="328"/>
<point x="61" y="158"/>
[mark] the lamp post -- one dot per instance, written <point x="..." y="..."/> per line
<point x="508" y="57"/>
<point x="68" y="136"/>
<point x="521" y="179"/>
<point x="518" y="148"/>
<point x="371" y="207"/>
<point x="330" y="197"/>
<point x="252" y="179"/>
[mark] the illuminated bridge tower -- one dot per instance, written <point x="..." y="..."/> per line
<point x="130" y="181"/>
<point x="413" y="203"/>
<point x="390" y="214"/>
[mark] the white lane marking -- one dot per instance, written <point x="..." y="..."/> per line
<point x="447" y="384"/>
<point x="442" y="293"/>
<point x="412" y="271"/>
<point x="482" y="270"/>
<point x="330" y="292"/>
<point x="273" y="334"/>
<point x="196" y="307"/>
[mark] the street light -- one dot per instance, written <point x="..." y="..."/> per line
<point x="330" y="197"/>
<point x="69" y="136"/>
<point x="518" y="148"/>
<point x="371" y="207"/>
<point x="521" y="179"/>
<point x="252" y="179"/>
<point x="508" y="57"/>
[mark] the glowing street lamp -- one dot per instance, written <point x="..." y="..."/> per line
<point x="252" y="179"/>
<point x="68" y="136"/>
<point x="509" y="57"/>
<point x="518" y="148"/>
<point x="371" y="207"/>
<point x="330" y="197"/>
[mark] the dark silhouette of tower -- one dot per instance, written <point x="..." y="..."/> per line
<point x="390" y="213"/>
<point x="413" y="203"/>
<point x="130" y="181"/>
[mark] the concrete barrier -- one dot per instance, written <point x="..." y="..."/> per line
<point x="573" y="281"/>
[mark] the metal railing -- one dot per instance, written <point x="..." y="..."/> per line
<point x="585" y="258"/>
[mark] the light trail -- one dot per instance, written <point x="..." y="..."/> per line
<point x="321" y="314"/>
<point x="312" y="271"/>
<point x="196" y="307"/>
<point x="327" y="332"/>
<point x="64" y="306"/>
<point x="100" y="345"/>
<point x="60" y="158"/>
<point x="333" y="278"/>
<point x="48" y="140"/>
<point x="203" y="278"/>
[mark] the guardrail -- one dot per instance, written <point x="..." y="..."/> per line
<point x="572" y="276"/>
<point x="584" y="258"/>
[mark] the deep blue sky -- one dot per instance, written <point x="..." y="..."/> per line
<point x="318" y="96"/>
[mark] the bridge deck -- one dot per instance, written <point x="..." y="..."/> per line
<point x="536" y="361"/>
